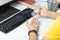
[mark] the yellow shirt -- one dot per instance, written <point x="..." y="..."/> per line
<point x="54" y="31"/>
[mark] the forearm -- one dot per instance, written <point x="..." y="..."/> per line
<point x="53" y="14"/>
<point x="33" y="36"/>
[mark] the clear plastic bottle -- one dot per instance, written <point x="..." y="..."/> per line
<point x="53" y="5"/>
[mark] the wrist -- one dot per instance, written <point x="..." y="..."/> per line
<point x="32" y="32"/>
<point x="52" y="15"/>
<point x="48" y="14"/>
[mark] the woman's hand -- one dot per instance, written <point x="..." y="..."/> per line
<point x="43" y="11"/>
<point x="33" y="25"/>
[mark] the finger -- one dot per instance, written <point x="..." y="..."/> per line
<point x="27" y="23"/>
<point x="34" y="21"/>
<point x="40" y="9"/>
<point x="44" y="8"/>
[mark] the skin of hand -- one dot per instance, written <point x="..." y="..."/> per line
<point x="43" y="11"/>
<point x="34" y="24"/>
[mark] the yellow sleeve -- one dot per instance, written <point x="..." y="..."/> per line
<point x="54" y="31"/>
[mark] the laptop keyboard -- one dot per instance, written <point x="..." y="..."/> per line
<point x="16" y="20"/>
<point x="5" y="12"/>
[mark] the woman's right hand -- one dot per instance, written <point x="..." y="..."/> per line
<point x="33" y="25"/>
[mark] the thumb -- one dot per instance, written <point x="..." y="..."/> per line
<point x="29" y="25"/>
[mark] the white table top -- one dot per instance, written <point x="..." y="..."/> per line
<point x="4" y="2"/>
<point x="21" y="33"/>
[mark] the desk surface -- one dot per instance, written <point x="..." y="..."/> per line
<point x="21" y="33"/>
